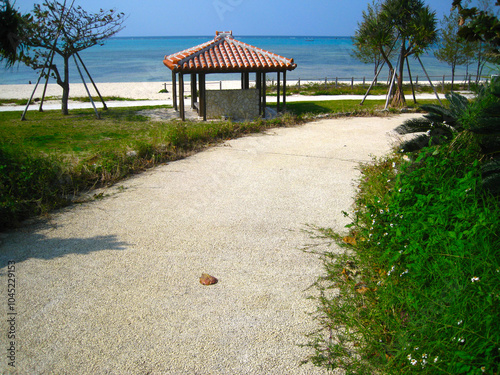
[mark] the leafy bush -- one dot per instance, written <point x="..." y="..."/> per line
<point x="417" y="289"/>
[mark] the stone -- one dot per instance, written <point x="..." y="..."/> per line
<point x="206" y="279"/>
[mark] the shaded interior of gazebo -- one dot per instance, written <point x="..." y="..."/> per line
<point x="224" y="54"/>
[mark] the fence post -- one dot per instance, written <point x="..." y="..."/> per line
<point x="352" y="83"/>
<point x="444" y="77"/>
<point x="299" y="84"/>
<point x="326" y="83"/>
<point x="336" y="82"/>
<point x="416" y="83"/>
<point x="364" y="81"/>
<point x="220" y="85"/>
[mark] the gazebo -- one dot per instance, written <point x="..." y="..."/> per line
<point x="224" y="54"/>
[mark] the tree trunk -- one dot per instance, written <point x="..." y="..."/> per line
<point x="65" y="87"/>
<point x="453" y="66"/>
<point x="398" y="99"/>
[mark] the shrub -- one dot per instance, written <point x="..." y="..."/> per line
<point x="418" y="290"/>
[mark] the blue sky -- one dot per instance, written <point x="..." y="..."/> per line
<point x="244" y="17"/>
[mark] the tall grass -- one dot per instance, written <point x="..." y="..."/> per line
<point x="417" y="288"/>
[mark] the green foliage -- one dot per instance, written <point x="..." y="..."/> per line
<point x="453" y="50"/>
<point x="470" y="124"/>
<point x="407" y="25"/>
<point x="11" y="23"/>
<point x="419" y="291"/>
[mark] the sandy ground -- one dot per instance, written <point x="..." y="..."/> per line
<point x="112" y="286"/>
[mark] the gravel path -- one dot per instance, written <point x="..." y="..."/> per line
<point x="112" y="286"/>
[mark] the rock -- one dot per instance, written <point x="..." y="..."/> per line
<point x="206" y="279"/>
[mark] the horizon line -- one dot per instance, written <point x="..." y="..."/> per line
<point x="204" y="36"/>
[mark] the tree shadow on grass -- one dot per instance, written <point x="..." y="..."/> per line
<point x="19" y="246"/>
<point x="301" y="108"/>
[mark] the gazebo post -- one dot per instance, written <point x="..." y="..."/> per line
<point x="247" y="80"/>
<point x="174" y="89"/>
<point x="181" y="97"/>
<point x="203" y="97"/>
<point x="284" y="90"/>
<point x="258" y="80"/>
<point x="278" y="96"/>
<point x="194" y="95"/>
<point x="264" y="104"/>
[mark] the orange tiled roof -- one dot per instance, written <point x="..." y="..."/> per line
<point x="224" y="54"/>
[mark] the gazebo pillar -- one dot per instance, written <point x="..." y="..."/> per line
<point x="264" y="102"/>
<point x="203" y="97"/>
<point x="194" y="94"/>
<point x="278" y="92"/>
<point x="284" y="90"/>
<point x="174" y="89"/>
<point x="181" y="97"/>
<point x="245" y="81"/>
<point x="258" y="81"/>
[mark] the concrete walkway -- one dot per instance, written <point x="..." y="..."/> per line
<point x="112" y="286"/>
<point x="56" y="105"/>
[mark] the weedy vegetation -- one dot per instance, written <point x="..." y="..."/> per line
<point x="414" y="285"/>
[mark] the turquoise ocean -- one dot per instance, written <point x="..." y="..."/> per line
<point x="140" y="59"/>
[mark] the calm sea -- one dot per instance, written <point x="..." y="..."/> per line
<point x="140" y="59"/>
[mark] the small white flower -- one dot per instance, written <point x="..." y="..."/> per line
<point x="413" y="362"/>
<point x="388" y="180"/>
<point x="394" y="164"/>
<point x="461" y="340"/>
<point x="474" y="279"/>
<point x="483" y="368"/>
<point x="400" y="190"/>
<point x="409" y="357"/>
<point x="386" y="234"/>
<point x="392" y="225"/>
<point x="381" y="211"/>
<point x="424" y="355"/>
<point x="436" y="359"/>
<point x="424" y="362"/>
<point x="416" y="348"/>
<point x="460" y="322"/>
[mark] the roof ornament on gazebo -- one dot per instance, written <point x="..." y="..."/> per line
<point x="224" y="54"/>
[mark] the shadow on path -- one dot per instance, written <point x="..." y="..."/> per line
<point x="19" y="246"/>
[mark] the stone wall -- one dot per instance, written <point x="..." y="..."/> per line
<point x="234" y="104"/>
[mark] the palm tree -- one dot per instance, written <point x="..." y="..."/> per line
<point x="415" y="25"/>
<point x="11" y="23"/>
